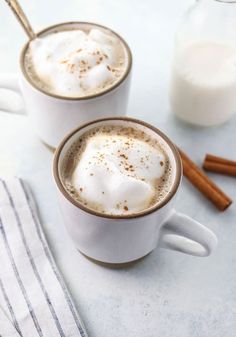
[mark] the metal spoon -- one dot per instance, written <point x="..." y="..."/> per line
<point x="21" y="17"/>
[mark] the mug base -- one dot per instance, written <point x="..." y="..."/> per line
<point x="114" y="265"/>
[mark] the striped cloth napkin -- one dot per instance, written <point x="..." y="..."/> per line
<point x="34" y="301"/>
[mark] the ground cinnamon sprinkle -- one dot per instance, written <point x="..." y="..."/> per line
<point x="71" y="67"/>
<point x="126" y="208"/>
<point x="123" y="156"/>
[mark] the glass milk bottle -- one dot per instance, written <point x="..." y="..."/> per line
<point x="203" y="77"/>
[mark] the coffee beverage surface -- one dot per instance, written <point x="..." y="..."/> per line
<point x="117" y="170"/>
<point x="76" y="63"/>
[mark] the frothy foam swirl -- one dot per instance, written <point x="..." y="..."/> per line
<point x="118" y="174"/>
<point x="76" y="63"/>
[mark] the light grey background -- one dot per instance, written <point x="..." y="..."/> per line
<point x="168" y="294"/>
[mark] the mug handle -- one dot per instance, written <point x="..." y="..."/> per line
<point x="10" y="82"/>
<point x="183" y="234"/>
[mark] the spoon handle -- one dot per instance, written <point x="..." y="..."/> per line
<point x="21" y="17"/>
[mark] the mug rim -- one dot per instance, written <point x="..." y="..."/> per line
<point x="82" y="98"/>
<point x="155" y="207"/>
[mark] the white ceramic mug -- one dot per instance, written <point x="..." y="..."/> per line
<point x="53" y="116"/>
<point x="120" y="239"/>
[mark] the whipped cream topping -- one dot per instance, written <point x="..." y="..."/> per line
<point x="76" y="63"/>
<point x="118" y="174"/>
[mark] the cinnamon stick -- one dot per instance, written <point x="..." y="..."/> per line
<point x="219" y="165"/>
<point x="203" y="183"/>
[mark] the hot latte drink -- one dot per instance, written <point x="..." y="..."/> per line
<point x="76" y="62"/>
<point x="117" y="170"/>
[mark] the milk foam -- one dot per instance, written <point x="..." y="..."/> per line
<point x="75" y="62"/>
<point x="118" y="174"/>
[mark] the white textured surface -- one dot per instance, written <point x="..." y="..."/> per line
<point x="167" y="294"/>
<point x="74" y="63"/>
<point x="114" y="182"/>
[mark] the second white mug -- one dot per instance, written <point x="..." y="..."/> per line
<point x="119" y="239"/>
<point x="53" y="116"/>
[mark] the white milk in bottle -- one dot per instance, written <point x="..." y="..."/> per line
<point x="203" y="76"/>
<point x="203" y="86"/>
